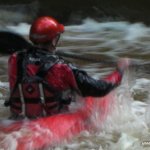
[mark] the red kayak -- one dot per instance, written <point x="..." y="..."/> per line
<point x="50" y="131"/>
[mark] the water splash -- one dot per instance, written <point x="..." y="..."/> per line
<point x="122" y="130"/>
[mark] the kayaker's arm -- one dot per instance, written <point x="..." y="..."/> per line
<point x="89" y="86"/>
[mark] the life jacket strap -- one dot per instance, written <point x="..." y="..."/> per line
<point x="42" y="98"/>
<point x="23" y="113"/>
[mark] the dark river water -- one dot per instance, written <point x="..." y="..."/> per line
<point x="103" y="44"/>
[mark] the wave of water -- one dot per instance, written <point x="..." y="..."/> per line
<point x="127" y="127"/>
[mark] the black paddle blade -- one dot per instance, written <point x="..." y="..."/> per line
<point x="11" y="42"/>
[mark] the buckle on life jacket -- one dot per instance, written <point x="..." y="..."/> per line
<point x="30" y="89"/>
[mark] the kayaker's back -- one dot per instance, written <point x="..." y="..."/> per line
<point x="38" y="83"/>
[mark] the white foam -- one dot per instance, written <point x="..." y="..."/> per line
<point x="21" y="28"/>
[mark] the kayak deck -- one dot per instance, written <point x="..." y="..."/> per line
<point x="50" y="131"/>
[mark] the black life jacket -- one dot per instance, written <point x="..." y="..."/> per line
<point x="28" y="97"/>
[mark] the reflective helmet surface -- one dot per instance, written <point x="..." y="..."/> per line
<point x="45" y="29"/>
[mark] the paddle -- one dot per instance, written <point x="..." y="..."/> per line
<point x="11" y="42"/>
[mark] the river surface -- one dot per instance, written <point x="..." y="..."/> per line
<point x="128" y="126"/>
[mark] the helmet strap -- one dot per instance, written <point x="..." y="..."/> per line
<point x="55" y="41"/>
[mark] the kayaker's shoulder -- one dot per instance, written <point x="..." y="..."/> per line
<point x="69" y="66"/>
<point x="76" y="70"/>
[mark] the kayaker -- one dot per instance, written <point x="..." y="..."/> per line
<point x="42" y="83"/>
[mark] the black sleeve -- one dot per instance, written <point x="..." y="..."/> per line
<point x="89" y="86"/>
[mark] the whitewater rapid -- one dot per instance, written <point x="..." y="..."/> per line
<point x="128" y="126"/>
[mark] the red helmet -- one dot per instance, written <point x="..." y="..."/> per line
<point x="45" y="29"/>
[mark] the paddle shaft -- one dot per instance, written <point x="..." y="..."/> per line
<point x="85" y="57"/>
